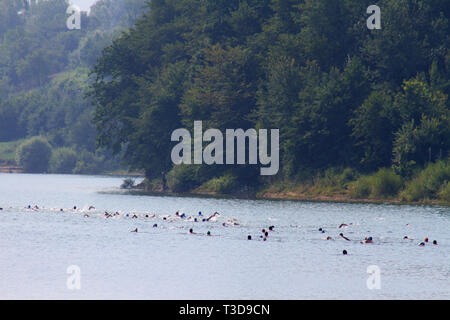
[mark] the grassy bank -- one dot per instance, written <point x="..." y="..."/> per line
<point x="429" y="185"/>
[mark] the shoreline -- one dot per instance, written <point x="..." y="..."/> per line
<point x="291" y="196"/>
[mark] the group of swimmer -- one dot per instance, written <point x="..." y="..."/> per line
<point x="368" y="239"/>
<point x="264" y="235"/>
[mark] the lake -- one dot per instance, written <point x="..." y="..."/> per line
<point x="167" y="262"/>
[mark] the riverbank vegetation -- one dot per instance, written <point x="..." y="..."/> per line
<point x="362" y="114"/>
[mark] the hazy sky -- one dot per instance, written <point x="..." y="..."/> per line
<point x="83" y="4"/>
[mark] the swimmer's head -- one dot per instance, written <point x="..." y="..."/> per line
<point x="344" y="252"/>
<point x="249" y="237"/>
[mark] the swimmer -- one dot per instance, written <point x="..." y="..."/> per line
<point x="195" y="220"/>
<point x="263" y="230"/>
<point x="435" y="242"/>
<point x="134" y="216"/>
<point x="200" y="214"/>
<point x="266" y="234"/>
<point x="343" y="225"/>
<point x="249" y="237"/>
<point x="183" y="216"/>
<point x="344" y="252"/>
<point x="213" y="216"/>
<point x="368" y="240"/>
<point x="208" y="233"/>
<point x="342" y="236"/>
<point x="191" y="231"/>
<point x="86" y="216"/>
<point x="155" y="225"/>
<point x="426" y="239"/>
<point x="61" y="210"/>
<point x="329" y="238"/>
<point x="146" y="215"/>
<point x="422" y="244"/>
<point x="271" y="228"/>
<point x="405" y="238"/>
<point x="135" y="230"/>
<point x="91" y="208"/>
<point x="74" y="207"/>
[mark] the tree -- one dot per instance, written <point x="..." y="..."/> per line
<point x="34" y="155"/>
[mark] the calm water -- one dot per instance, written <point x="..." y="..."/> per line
<point x="166" y="262"/>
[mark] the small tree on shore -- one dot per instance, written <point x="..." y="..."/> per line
<point x="34" y="155"/>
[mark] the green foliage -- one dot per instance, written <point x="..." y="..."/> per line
<point x="382" y="184"/>
<point x="8" y="151"/>
<point x="386" y="183"/>
<point x="224" y="184"/>
<point x="44" y="70"/>
<point x="444" y="194"/>
<point x="341" y="95"/>
<point x="63" y="160"/>
<point x="362" y="188"/>
<point x="34" y="155"/>
<point x="432" y="182"/>
<point x="183" y="178"/>
<point x="335" y="177"/>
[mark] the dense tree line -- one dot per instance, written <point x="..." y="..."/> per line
<point x="44" y="71"/>
<point x="342" y="95"/>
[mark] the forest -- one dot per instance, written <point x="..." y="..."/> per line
<point x="44" y="77"/>
<point x="362" y="113"/>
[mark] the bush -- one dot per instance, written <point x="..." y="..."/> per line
<point x="382" y="184"/>
<point x="224" y="184"/>
<point x="183" y="178"/>
<point x="361" y="188"/>
<point x="89" y="163"/>
<point x="34" y="155"/>
<point x="63" y="160"/>
<point x="386" y="183"/>
<point x="428" y="182"/>
<point x="444" y="194"/>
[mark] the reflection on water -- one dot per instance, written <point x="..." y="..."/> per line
<point x="166" y="262"/>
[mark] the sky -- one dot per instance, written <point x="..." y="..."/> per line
<point x="83" y="4"/>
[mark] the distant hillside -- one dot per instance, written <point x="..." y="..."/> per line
<point x="44" y="71"/>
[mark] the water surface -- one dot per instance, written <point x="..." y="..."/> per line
<point x="37" y="246"/>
